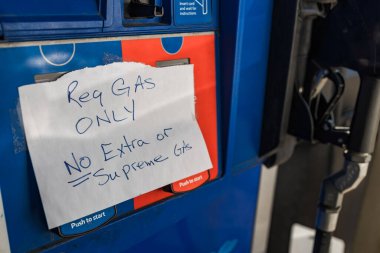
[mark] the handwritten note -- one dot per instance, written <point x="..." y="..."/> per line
<point x="100" y="136"/>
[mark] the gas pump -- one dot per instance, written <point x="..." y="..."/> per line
<point x="248" y="115"/>
<point x="228" y="45"/>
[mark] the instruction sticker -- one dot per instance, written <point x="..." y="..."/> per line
<point x="100" y="136"/>
<point x="187" y="12"/>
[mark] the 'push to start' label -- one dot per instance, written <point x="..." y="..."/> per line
<point x="188" y="12"/>
<point x="87" y="223"/>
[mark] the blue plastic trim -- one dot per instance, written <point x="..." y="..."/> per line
<point x="248" y="83"/>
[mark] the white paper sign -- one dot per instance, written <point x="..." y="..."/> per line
<point x="100" y="136"/>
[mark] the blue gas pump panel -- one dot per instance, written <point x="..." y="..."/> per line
<point x="190" y="12"/>
<point x="182" y="219"/>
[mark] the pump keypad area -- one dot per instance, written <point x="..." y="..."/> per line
<point x="196" y="48"/>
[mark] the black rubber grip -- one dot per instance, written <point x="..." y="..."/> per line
<point x="322" y="242"/>
<point x="365" y="123"/>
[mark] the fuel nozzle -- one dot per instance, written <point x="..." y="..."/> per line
<point x="361" y="144"/>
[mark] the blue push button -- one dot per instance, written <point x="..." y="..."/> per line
<point x="87" y="223"/>
<point x="190" y="12"/>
